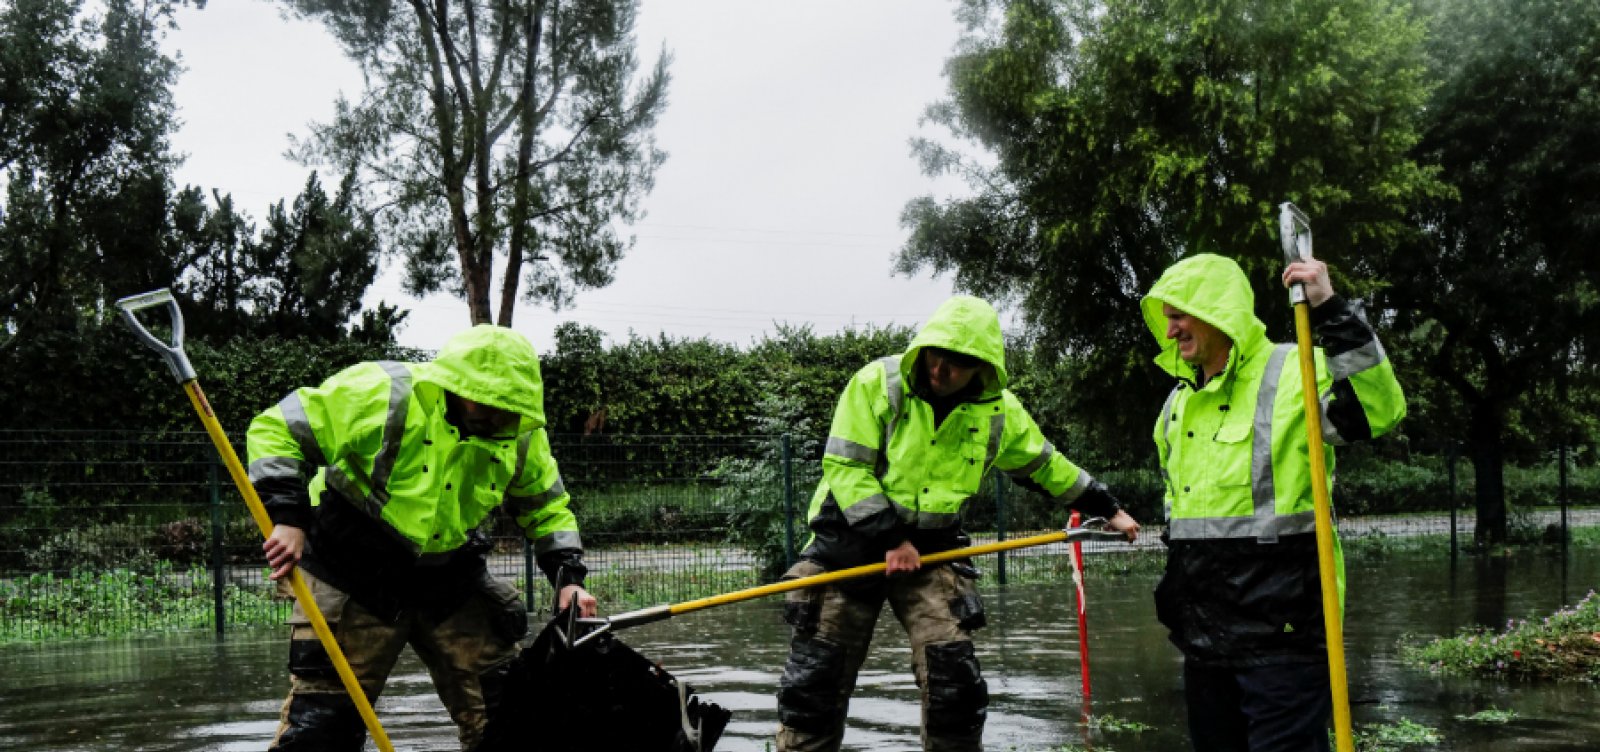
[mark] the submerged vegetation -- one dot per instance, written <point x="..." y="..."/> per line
<point x="1564" y="646"/>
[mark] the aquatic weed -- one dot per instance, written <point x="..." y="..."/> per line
<point x="1491" y="715"/>
<point x="1564" y="646"/>
<point x="1113" y="725"/>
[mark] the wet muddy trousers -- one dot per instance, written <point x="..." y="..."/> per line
<point x="938" y="608"/>
<point x="463" y="654"/>
<point x="1273" y="708"/>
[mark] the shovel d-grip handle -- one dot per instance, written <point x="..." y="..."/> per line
<point x="172" y="353"/>
<point x="1294" y="230"/>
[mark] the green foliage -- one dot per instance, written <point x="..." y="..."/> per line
<point x="1562" y="646"/>
<point x="1491" y="715"/>
<point x="122" y="601"/>
<point x="762" y="524"/>
<point x="498" y="128"/>
<point x="1497" y="301"/>
<point x="1393" y="737"/>
<point x="83" y="157"/>
<point x="1113" y="725"/>
<point x="1123" y="135"/>
<point x="102" y="377"/>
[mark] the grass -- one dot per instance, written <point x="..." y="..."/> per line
<point x="1564" y="646"/>
<point x="120" y="602"/>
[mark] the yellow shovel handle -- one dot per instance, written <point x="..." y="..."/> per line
<point x="302" y="593"/>
<point x="1332" y="611"/>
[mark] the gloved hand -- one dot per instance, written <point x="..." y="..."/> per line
<point x="1097" y="500"/>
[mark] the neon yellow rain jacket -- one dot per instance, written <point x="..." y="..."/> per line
<point x="399" y="488"/>
<point x="893" y="472"/>
<point x="1241" y="585"/>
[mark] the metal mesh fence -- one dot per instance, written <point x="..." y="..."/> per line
<point x="108" y="533"/>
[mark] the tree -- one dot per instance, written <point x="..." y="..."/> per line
<point x="84" y="116"/>
<point x="313" y="264"/>
<point x="1502" y="296"/>
<point x="498" y="127"/>
<point x="1121" y="135"/>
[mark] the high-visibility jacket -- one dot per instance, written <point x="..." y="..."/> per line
<point x="1242" y="584"/>
<point x="406" y="487"/>
<point x="891" y="472"/>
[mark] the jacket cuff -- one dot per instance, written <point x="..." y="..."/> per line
<point x="563" y="567"/>
<point x="1332" y="309"/>
<point x="287" y="502"/>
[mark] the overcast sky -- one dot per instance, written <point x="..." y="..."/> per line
<point x="787" y="131"/>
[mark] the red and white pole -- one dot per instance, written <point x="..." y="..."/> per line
<point x="1083" y="613"/>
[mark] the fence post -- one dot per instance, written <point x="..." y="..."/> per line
<point x="1563" y="485"/>
<point x="219" y="570"/>
<point x="527" y="574"/>
<point x="1450" y="462"/>
<point x="788" y="501"/>
<point x="1000" y="521"/>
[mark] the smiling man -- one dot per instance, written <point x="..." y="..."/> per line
<point x="913" y="437"/>
<point x="1241" y="594"/>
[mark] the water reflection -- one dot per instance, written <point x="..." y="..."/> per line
<point x="192" y="692"/>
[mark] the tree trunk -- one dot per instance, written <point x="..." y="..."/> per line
<point x="1488" y="470"/>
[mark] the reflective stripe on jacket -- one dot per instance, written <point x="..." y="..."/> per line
<point x="890" y="474"/>
<point x="376" y="433"/>
<point x="1233" y="458"/>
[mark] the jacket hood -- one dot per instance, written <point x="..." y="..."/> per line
<point x="1213" y="289"/>
<point x="966" y="325"/>
<point x="494" y="366"/>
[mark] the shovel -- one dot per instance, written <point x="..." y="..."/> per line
<point x="1295" y="231"/>
<point x="1093" y="529"/>
<point x="183" y="371"/>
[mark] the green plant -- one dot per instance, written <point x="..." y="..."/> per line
<point x="123" y="601"/>
<point x="1390" y="737"/>
<point x="755" y="486"/>
<point x="1562" y="646"/>
<point x="1492" y="715"/>
<point x="1113" y="725"/>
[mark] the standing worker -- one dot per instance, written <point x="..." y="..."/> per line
<point x="405" y="460"/>
<point x="913" y="438"/>
<point x="1241" y="594"/>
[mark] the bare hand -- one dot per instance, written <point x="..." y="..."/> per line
<point x="1313" y="275"/>
<point x="283" y="549"/>
<point x="587" y="605"/>
<point x="902" y="559"/>
<point x="1125" y="524"/>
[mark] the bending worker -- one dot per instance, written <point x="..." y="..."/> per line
<point x="1241" y="594"/>
<point x="913" y="437"/>
<point x="405" y="460"/>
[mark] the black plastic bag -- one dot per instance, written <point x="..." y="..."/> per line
<point x="600" y="695"/>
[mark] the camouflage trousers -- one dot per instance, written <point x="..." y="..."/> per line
<point x="938" y="608"/>
<point x="463" y="653"/>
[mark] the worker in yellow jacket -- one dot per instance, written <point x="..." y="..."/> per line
<point x="913" y="437"/>
<point x="1241" y="594"/>
<point x="376" y="481"/>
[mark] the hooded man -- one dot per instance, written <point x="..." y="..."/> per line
<point x="376" y="482"/>
<point x="1241" y="594"/>
<point x="913" y="437"/>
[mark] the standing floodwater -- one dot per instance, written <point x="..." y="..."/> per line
<point x="192" y="692"/>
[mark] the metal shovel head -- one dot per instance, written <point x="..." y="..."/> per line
<point x="599" y="694"/>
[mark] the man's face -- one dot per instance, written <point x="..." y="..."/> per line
<point x="1199" y="344"/>
<point x="948" y="372"/>
<point x="478" y="419"/>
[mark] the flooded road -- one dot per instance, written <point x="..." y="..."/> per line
<point x="192" y="692"/>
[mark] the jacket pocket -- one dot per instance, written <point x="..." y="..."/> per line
<point x="802" y="609"/>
